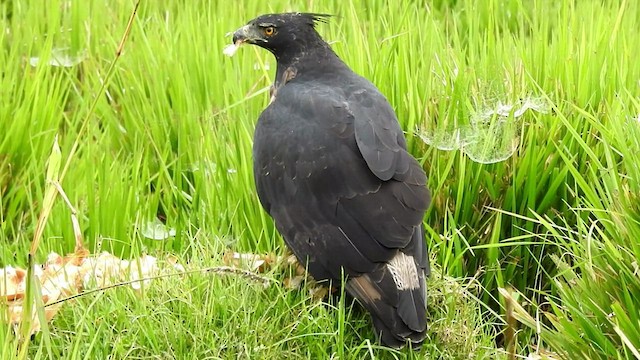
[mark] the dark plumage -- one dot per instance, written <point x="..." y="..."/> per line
<point x="331" y="168"/>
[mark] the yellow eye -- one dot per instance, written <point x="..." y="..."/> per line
<point x="269" y="31"/>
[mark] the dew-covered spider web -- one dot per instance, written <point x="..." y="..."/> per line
<point x="491" y="135"/>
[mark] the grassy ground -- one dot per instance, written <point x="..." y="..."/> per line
<point x="544" y="202"/>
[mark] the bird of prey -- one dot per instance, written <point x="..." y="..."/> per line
<point x="332" y="169"/>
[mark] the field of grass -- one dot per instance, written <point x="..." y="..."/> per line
<point x="525" y="114"/>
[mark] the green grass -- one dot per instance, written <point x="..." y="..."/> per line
<point x="558" y="221"/>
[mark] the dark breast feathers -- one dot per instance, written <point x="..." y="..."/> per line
<point x="331" y="168"/>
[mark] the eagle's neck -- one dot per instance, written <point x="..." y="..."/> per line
<point x="291" y="64"/>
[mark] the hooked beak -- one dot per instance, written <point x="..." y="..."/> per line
<point x="246" y="34"/>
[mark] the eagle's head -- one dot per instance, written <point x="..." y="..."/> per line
<point x="282" y="33"/>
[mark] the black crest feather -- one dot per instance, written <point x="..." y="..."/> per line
<point x="318" y="18"/>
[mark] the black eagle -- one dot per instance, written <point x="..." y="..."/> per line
<point x="332" y="169"/>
